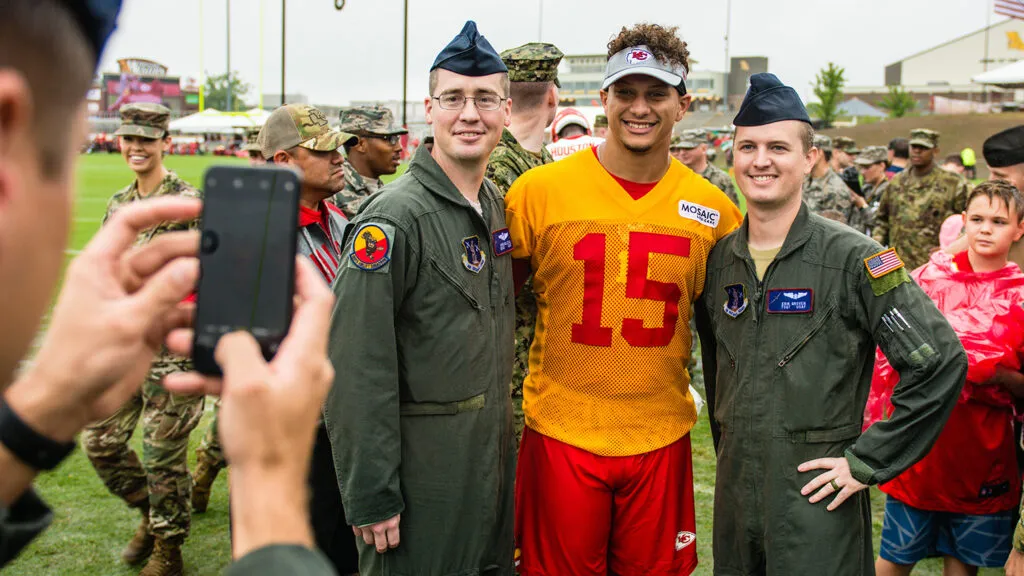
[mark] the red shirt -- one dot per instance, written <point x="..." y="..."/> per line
<point x="635" y="189"/>
<point x="972" y="468"/>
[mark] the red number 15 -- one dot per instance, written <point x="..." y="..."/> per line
<point x="591" y="250"/>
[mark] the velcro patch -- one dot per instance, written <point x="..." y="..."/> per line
<point x="502" y="242"/>
<point x="888" y="282"/>
<point x="699" y="213"/>
<point x="371" y="248"/>
<point x="790" y="301"/>
<point x="883" y="263"/>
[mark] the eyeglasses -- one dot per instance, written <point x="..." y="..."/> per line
<point x="455" y="101"/>
<point x="392" y="139"/>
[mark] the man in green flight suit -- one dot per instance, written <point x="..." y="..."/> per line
<point x="420" y="415"/>
<point x="793" y="308"/>
<point x="533" y="77"/>
<point x="917" y="202"/>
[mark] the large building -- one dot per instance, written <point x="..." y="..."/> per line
<point x="946" y="70"/>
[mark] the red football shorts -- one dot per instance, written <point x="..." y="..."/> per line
<point x="579" y="514"/>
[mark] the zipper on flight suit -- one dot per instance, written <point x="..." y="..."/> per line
<point x="822" y="320"/>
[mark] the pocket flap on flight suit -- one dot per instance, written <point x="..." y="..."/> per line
<point x="837" y="434"/>
<point x="471" y="404"/>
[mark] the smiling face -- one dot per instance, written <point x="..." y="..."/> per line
<point x="771" y="161"/>
<point x="642" y="111"/>
<point x="468" y="135"/>
<point x="991" y="226"/>
<point x="144" y="155"/>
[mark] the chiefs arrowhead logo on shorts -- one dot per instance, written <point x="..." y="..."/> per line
<point x="637" y="56"/>
<point x="684" y="539"/>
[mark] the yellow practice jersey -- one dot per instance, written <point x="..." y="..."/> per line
<point x="615" y="278"/>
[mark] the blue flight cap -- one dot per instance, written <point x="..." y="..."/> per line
<point x="97" y="20"/>
<point x="470" y="54"/>
<point x="768" y="100"/>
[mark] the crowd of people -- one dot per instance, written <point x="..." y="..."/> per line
<point x="500" y="381"/>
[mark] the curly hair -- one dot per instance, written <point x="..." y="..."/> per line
<point x="662" y="41"/>
<point x="1003" y="190"/>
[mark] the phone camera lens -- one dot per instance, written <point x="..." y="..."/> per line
<point x="289" y="186"/>
<point x="209" y="242"/>
<point x="237" y="182"/>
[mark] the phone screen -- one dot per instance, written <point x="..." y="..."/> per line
<point x="247" y="257"/>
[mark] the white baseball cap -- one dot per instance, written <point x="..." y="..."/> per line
<point x="640" y="60"/>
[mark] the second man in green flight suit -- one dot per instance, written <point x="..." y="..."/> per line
<point x="794" y="306"/>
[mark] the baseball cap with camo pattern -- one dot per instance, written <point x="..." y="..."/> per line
<point x="872" y="155"/>
<point x="689" y="139"/>
<point x="600" y="121"/>
<point x="533" y="62"/>
<point x="299" y="125"/>
<point x="823" y="143"/>
<point x="369" y="120"/>
<point x="144" y="119"/>
<point x="924" y="137"/>
<point x="845" y="144"/>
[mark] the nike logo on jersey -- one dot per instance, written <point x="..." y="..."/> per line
<point x="698" y="213"/>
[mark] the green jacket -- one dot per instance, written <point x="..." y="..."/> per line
<point x="419" y="415"/>
<point x="510" y="160"/>
<point x="787" y="366"/>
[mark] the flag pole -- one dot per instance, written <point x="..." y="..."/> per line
<point x="261" y="55"/>
<point x="202" y="76"/>
<point x="984" y="61"/>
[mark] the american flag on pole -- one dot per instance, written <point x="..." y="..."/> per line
<point x="882" y="263"/>
<point x="1011" y="8"/>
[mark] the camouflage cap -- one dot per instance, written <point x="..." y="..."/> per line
<point x="845" y="144"/>
<point x="823" y="143"/>
<point x="600" y="121"/>
<point x="299" y="125"/>
<point x="924" y="137"/>
<point x="144" y="119"/>
<point x="872" y="155"/>
<point x="689" y="139"/>
<point x="533" y="62"/>
<point x="369" y="120"/>
<point x="251" y="144"/>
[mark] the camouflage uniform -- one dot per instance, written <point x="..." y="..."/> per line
<point x="828" y="196"/>
<point x="693" y="138"/>
<point x="162" y="483"/>
<point x="533" y="62"/>
<point x="913" y="208"/>
<point x="362" y="121"/>
<point x="863" y="219"/>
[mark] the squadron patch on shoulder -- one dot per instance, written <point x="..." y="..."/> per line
<point x="886" y="271"/>
<point x="371" y="247"/>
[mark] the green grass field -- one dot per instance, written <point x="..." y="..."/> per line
<point x="91" y="526"/>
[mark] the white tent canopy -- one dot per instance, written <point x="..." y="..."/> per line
<point x="1011" y="76"/>
<point x="211" y="121"/>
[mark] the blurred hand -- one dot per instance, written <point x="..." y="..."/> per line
<point x="117" y="306"/>
<point x="268" y="416"/>
<point x="1015" y="563"/>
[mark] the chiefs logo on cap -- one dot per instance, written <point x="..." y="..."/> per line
<point x="637" y="56"/>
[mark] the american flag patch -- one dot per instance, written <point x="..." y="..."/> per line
<point x="882" y="263"/>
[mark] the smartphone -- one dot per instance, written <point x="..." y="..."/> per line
<point x="246" y="258"/>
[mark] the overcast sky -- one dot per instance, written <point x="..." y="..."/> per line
<point x="356" y="54"/>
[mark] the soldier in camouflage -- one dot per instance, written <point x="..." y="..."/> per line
<point x="825" y="192"/>
<point x="872" y="162"/>
<point x="160" y="485"/>
<point x="691" y="148"/>
<point x="253" y="149"/>
<point x="601" y="126"/>
<point x="375" y="151"/>
<point x="533" y="77"/>
<point x="209" y="461"/>
<point x="917" y="202"/>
